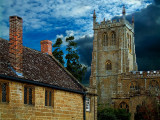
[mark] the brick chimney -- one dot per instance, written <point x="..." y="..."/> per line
<point x="46" y="46"/>
<point x="15" y="43"/>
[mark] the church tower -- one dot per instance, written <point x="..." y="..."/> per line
<point x="113" y="54"/>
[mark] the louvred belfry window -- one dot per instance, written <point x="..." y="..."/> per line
<point x="4" y="92"/>
<point x="113" y="38"/>
<point x="108" y="65"/>
<point x="105" y="39"/>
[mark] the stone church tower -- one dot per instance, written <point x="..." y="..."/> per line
<point x="113" y="54"/>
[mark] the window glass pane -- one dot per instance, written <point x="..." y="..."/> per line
<point x="3" y="92"/>
<point x="45" y="98"/>
<point x="30" y="96"/>
<point x="50" y="94"/>
<point x="25" y="95"/>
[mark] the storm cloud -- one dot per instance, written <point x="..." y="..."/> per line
<point x="147" y="37"/>
<point x="147" y="40"/>
<point x="85" y="48"/>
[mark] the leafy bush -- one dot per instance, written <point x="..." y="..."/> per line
<point x="107" y="113"/>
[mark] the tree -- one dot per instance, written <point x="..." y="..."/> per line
<point x="58" y="53"/>
<point x="72" y="57"/>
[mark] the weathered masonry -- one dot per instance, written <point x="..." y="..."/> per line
<point x="114" y="69"/>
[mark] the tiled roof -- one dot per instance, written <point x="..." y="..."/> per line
<point x="39" y="67"/>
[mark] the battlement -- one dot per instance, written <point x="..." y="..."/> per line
<point x="113" y="23"/>
<point x="142" y="74"/>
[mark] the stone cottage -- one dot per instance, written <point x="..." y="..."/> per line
<point x="35" y="86"/>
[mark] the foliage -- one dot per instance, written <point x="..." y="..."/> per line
<point x="122" y="114"/>
<point x="58" y="53"/>
<point x="107" y="113"/>
<point x="72" y="57"/>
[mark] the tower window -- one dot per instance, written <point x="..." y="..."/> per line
<point x="108" y="65"/>
<point x="105" y="39"/>
<point x="130" y="48"/>
<point x="128" y="39"/>
<point x="113" y="38"/>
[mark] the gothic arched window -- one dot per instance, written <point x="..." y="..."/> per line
<point x="105" y="39"/>
<point x="113" y="38"/>
<point x="124" y="105"/>
<point x="108" y="65"/>
<point x="154" y="85"/>
<point x="134" y="86"/>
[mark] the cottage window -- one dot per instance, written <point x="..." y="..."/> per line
<point x="87" y="104"/>
<point x="25" y="95"/>
<point x="4" y="92"/>
<point x="29" y="95"/>
<point x="48" y="97"/>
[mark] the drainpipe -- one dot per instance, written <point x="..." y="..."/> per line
<point x="84" y="106"/>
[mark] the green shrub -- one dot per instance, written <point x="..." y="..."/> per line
<point x="107" y="113"/>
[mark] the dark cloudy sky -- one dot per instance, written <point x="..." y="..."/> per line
<point x="49" y="19"/>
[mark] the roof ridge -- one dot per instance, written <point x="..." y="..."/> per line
<point x="23" y="46"/>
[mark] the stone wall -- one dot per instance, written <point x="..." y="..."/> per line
<point x="92" y="95"/>
<point x="136" y="87"/>
<point x="67" y="105"/>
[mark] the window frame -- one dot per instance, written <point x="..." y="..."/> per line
<point x="108" y="65"/>
<point x="113" y="38"/>
<point x="6" y="92"/>
<point x="105" y="39"/>
<point x="134" y="86"/>
<point x="49" y="98"/>
<point x="154" y="85"/>
<point x="124" y="105"/>
<point x="29" y="96"/>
